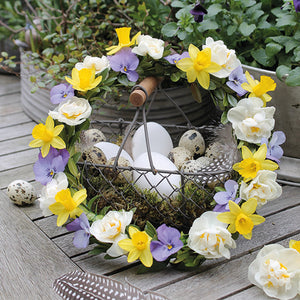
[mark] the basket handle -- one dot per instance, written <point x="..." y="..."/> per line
<point x="146" y="88"/>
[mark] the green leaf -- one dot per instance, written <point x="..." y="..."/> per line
<point x="169" y="29"/>
<point x="282" y="72"/>
<point x="294" y="77"/>
<point x="177" y="4"/>
<point x="71" y="179"/>
<point x="246" y="29"/>
<point x="273" y="48"/>
<point x="231" y="29"/>
<point x="72" y="167"/>
<point x="208" y="25"/>
<point x="214" y="9"/>
<point x="261" y="57"/>
<point x="224" y="119"/>
<point x="232" y="100"/>
<point x="286" y="20"/>
<point x="150" y="229"/>
<point x="290" y="45"/>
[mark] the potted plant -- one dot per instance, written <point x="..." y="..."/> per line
<point x="266" y="37"/>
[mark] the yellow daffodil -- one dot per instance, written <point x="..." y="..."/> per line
<point x="241" y="219"/>
<point x="123" y="34"/>
<point x="138" y="246"/>
<point x="252" y="163"/>
<point x="84" y="79"/>
<point x="46" y="136"/>
<point x="66" y="205"/>
<point x="259" y="88"/>
<point x="198" y="65"/>
<point x="295" y="245"/>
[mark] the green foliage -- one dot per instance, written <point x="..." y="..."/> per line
<point x="264" y="34"/>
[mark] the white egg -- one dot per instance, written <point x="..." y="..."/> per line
<point x="159" y="139"/>
<point x="162" y="183"/>
<point x="21" y="192"/>
<point x="111" y="150"/>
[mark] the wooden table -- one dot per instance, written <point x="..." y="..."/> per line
<point x="34" y="252"/>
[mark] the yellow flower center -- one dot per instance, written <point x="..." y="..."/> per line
<point x="140" y="240"/>
<point x="64" y="197"/>
<point x="41" y="132"/>
<point x="277" y="273"/>
<point x="71" y="116"/>
<point x="254" y="129"/>
<point x="202" y="61"/>
<point x="117" y="226"/>
<point x="243" y="224"/>
<point x="123" y="35"/>
<point x="249" y="167"/>
<point x="169" y="247"/>
<point x="266" y="84"/>
<point x="295" y="245"/>
<point x="125" y="69"/>
<point x="84" y="78"/>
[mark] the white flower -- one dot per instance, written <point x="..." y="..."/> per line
<point x="221" y="55"/>
<point x="111" y="229"/>
<point x="58" y="183"/>
<point x="251" y="121"/>
<point x="148" y="45"/>
<point x="263" y="188"/>
<point x="90" y="62"/>
<point x="209" y="237"/>
<point x="72" y="111"/>
<point x="276" y="270"/>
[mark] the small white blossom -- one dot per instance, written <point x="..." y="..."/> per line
<point x="276" y="270"/>
<point x="251" y="121"/>
<point x="72" y="111"/>
<point x="221" y="55"/>
<point x="149" y="45"/>
<point x="209" y="237"/>
<point x="58" y="183"/>
<point x="263" y="188"/>
<point x="90" y="62"/>
<point x="111" y="229"/>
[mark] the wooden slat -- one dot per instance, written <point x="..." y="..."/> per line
<point x="19" y="159"/>
<point x="14" y="119"/>
<point x="29" y="261"/>
<point x="24" y="173"/>
<point x="15" y="145"/>
<point x="9" y="84"/>
<point x="276" y="227"/>
<point x="10" y="108"/>
<point x="16" y="131"/>
<point x="49" y="227"/>
<point x="9" y="99"/>
<point x="206" y="287"/>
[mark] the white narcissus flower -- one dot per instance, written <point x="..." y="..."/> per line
<point x="98" y="63"/>
<point x="251" y="121"/>
<point x="263" y="188"/>
<point x="111" y="229"/>
<point x="276" y="270"/>
<point x="73" y="111"/>
<point x="209" y="237"/>
<point x="223" y="56"/>
<point x="149" y="45"/>
<point x="58" y="183"/>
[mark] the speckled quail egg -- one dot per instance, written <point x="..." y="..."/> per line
<point x="179" y="155"/>
<point x="21" y="192"/>
<point x="203" y="161"/>
<point x="89" y="138"/>
<point x="214" y="150"/>
<point x="190" y="166"/>
<point x="193" y="141"/>
<point x="120" y="175"/>
<point x="94" y="155"/>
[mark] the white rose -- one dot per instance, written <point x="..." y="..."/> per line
<point x="221" y="55"/>
<point x="111" y="229"/>
<point x="209" y="237"/>
<point x="72" y="111"/>
<point x="263" y="188"/>
<point x="276" y="270"/>
<point x="90" y="62"/>
<point x="58" y="183"/>
<point x="148" y="45"/>
<point x="251" y="121"/>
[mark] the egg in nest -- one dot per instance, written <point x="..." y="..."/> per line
<point x="120" y="175"/>
<point x="193" y="141"/>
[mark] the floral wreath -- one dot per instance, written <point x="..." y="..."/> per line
<point x="212" y="234"/>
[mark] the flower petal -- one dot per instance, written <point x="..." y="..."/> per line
<point x="249" y="206"/>
<point x="133" y="254"/>
<point x="146" y="258"/>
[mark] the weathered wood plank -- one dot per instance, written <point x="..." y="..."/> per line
<point x="19" y="159"/>
<point x="14" y="119"/>
<point x="10" y="108"/>
<point x="9" y="99"/>
<point x="29" y="261"/>
<point x="15" y="145"/>
<point x="49" y="227"/>
<point x="276" y="227"/>
<point x="9" y="84"/>
<point x="24" y="173"/>
<point x="205" y="287"/>
<point x="16" y="131"/>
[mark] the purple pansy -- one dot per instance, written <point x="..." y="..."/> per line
<point x="126" y="62"/>
<point x="174" y="58"/>
<point x="81" y="226"/>
<point x="168" y="243"/>
<point x="297" y="5"/>
<point x="274" y="151"/>
<point x="236" y="78"/>
<point x="222" y="198"/>
<point x="55" y="162"/>
<point x="198" y="12"/>
<point x="61" y="92"/>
